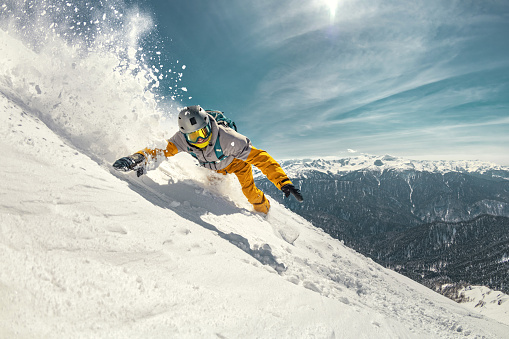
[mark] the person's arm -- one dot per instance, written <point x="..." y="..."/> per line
<point x="169" y="151"/>
<point x="137" y="160"/>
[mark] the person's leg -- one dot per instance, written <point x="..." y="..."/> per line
<point x="253" y="194"/>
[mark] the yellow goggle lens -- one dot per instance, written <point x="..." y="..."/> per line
<point x="201" y="133"/>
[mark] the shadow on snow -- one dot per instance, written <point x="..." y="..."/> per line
<point x="164" y="195"/>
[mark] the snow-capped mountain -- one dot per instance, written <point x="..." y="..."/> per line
<point x="379" y="204"/>
<point x="87" y="252"/>
<point x="403" y="192"/>
<point x="365" y="162"/>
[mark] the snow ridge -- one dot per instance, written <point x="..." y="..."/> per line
<point x="366" y="162"/>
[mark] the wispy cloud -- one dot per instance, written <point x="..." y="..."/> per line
<point x="381" y="69"/>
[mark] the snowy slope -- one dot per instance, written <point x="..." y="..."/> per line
<point x="493" y="304"/>
<point x="86" y="252"/>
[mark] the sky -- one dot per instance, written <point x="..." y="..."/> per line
<point x="315" y="78"/>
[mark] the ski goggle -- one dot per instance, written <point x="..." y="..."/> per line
<point x="202" y="133"/>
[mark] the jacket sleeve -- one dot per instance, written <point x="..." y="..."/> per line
<point x="169" y="151"/>
<point x="270" y="167"/>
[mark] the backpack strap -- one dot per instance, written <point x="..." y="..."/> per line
<point x="192" y="153"/>
<point x="218" y="149"/>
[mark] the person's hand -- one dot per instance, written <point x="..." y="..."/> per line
<point x="124" y="164"/>
<point x="290" y="189"/>
<point x="133" y="162"/>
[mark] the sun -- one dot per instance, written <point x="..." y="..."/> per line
<point x="332" y="5"/>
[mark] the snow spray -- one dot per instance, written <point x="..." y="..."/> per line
<point x="91" y="70"/>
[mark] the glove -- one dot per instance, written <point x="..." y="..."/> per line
<point x="124" y="164"/>
<point x="131" y="163"/>
<point x="287" y="189"/>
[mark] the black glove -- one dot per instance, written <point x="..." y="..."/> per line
<point x="131" y="163"/>
<point x="124" y="164"/>
<point x="287" y="189"/>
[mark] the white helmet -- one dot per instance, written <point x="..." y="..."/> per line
<point x="192" y="118"/>
<point x="194" y="123"/>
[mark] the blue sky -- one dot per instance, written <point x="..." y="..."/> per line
<point x="421" y="79"/>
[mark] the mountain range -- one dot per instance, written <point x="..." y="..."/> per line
<point x="438" y="222"/>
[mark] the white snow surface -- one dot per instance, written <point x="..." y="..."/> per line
<point x="494" y="304"/>
<point x="87" y="252"/>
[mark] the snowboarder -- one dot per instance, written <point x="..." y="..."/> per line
<point x="220" y="148"/>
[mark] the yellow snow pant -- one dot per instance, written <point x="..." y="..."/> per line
<point x="245" y="175"/>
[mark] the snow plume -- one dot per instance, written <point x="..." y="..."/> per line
<point x="87" y="69"/>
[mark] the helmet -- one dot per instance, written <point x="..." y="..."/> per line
<point x="194" y="123"/>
